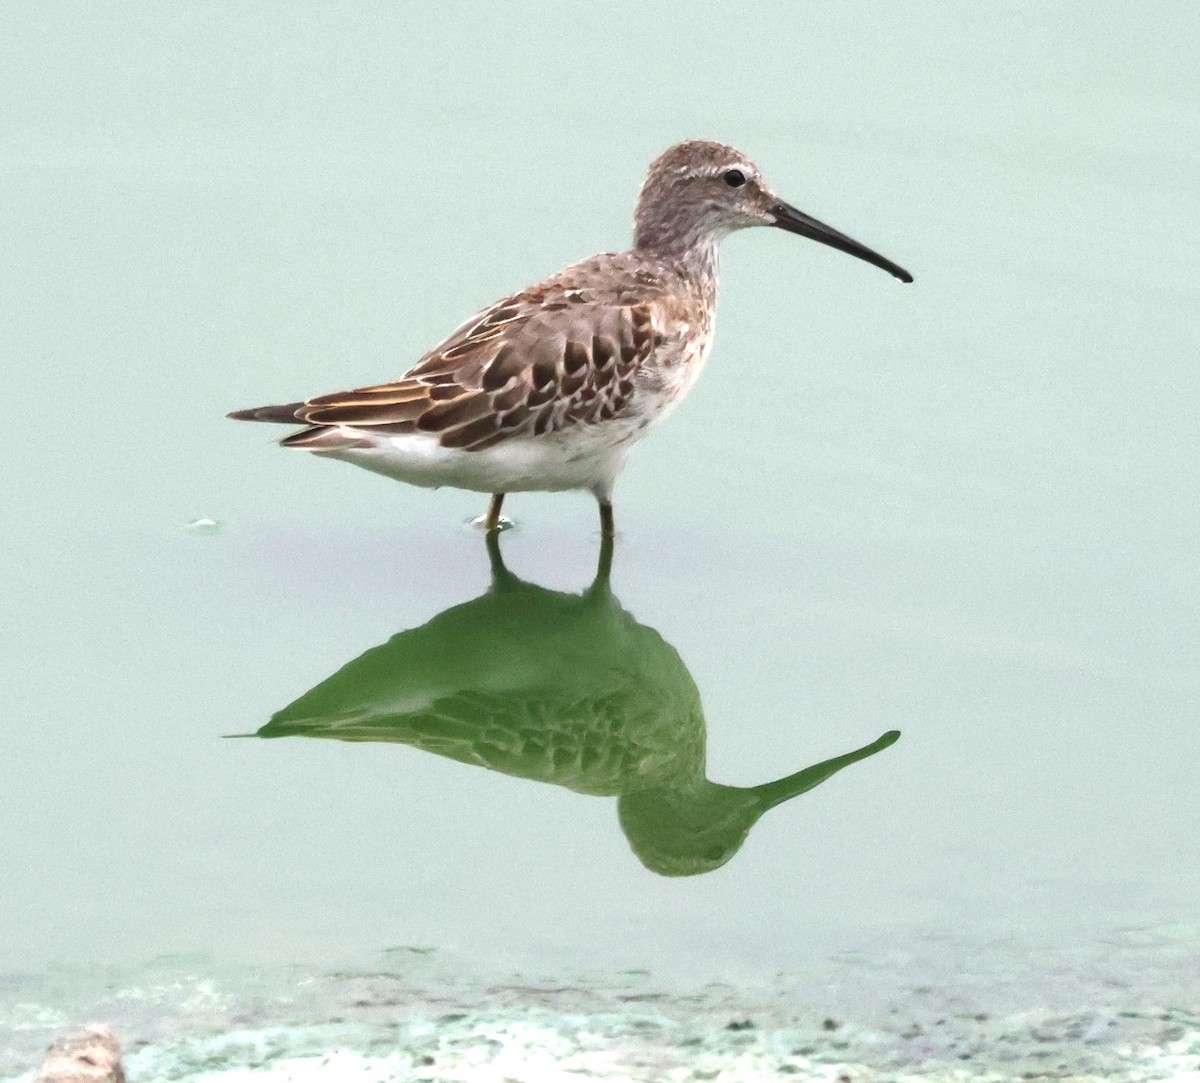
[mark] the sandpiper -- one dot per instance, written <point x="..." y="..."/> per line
<point x="549" y="388"/>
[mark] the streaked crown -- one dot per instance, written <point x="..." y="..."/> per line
<point x="696" y="193"/>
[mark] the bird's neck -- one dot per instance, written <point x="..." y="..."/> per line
<point x="703" y="262"/>
<point x="697" y="259"/>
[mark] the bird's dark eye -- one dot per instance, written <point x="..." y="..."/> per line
<point x="735" y="178"/>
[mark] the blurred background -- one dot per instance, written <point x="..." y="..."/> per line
<point x="964" y="509"/>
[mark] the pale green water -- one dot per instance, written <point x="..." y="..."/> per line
<point x="964" y="509"/>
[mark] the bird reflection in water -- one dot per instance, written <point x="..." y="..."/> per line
<point x="561" y="688"/>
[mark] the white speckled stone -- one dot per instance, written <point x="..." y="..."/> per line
<point x="90" y="1055"/>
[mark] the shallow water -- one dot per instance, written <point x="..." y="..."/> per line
<point x="964" y="510"/>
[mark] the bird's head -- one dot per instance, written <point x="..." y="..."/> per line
<point x="699" y="191"/>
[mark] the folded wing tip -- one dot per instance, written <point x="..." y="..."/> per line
<point x="323" y="438"/>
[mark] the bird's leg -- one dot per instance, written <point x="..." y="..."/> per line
<point x="604" y="562"/>
<point x="492" y="519"/>
<point x="502" y="578"/>
<point x="600" y="590"/>
<point x="607" y="527"/>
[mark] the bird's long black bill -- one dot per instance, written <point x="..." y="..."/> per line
<point x="794" y="221"/>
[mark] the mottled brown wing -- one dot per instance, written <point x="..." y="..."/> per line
<point x="521" y="368"/>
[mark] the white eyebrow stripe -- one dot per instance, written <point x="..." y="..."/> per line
<point x="745" y="167"/>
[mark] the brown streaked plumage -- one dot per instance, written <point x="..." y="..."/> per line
<point x="548" y="388"/>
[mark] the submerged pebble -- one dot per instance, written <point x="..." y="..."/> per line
<point x="90" y="1055"/>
